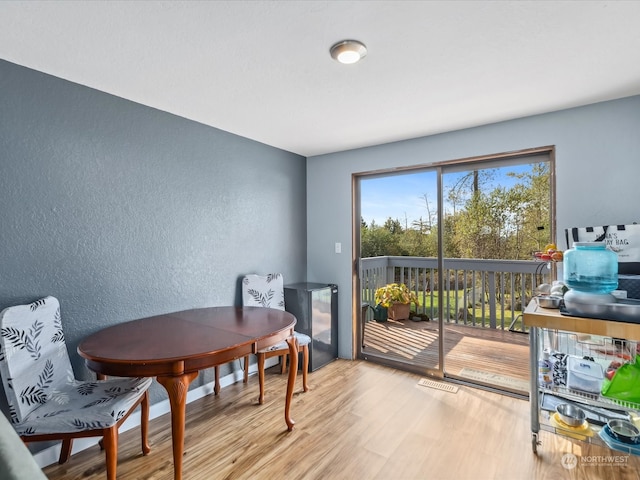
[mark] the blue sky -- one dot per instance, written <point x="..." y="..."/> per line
<point x="400" y="196"/>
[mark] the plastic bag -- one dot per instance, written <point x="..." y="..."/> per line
<point x="625" y="384"/>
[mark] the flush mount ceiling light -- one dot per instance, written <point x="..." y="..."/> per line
<point x="348" y="51"/>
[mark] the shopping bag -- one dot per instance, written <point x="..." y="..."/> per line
<point x="624" y="240"/>
<point x="625" y="384"/>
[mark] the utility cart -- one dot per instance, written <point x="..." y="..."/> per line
<point x="593" y="342"/>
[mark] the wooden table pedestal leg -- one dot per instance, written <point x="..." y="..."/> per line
<point x="291" y="381"/>
<point x="177" y="387"/>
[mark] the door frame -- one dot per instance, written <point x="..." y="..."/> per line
<point x="440" y="168"/>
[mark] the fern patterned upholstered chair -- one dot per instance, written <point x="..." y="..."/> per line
<point x="268" y="291"/>
<point x="46" y="402"/>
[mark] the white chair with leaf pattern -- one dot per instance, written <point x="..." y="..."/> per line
<point x="268" y="291"/>
<point x="46" y="402"/>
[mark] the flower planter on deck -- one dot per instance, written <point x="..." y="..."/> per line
<point x="399" y="311"/>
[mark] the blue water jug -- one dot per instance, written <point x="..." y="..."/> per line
<point x="590" y="267"/>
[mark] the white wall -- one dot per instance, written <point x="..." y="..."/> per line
<point x="597" y="175"/>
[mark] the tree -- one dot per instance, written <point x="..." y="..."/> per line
<point x="380" y="241"/>
<point x="500" y="223"/>
<point x="487" y="220"/>
<point x="393" y="226"/>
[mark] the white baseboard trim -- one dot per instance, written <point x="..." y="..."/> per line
<point x="50" y="455"/>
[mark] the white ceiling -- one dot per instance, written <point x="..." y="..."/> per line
<point x="262" y="69"/>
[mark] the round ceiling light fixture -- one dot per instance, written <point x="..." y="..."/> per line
<point x="348" y="51"/>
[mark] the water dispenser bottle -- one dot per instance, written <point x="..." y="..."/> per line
<point x="590" y="267"/>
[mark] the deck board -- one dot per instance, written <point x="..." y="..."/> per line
<point x="495" y="352"/>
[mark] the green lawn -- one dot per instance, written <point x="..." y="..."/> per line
<point x="430" y="308"/>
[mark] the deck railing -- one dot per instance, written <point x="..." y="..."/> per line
<point x="482" y="293"/>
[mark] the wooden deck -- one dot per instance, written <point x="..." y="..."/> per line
<point x="496" y="357"/>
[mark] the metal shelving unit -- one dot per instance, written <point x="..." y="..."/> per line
<point x="601" y="340"/>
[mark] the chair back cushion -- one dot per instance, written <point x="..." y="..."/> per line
<point x="34" y="362"/>
<point x="263" y="291"/>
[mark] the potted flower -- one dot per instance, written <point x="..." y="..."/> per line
<point x="397" y="299"/>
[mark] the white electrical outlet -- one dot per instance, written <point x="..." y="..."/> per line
<point x="338" y="247"/>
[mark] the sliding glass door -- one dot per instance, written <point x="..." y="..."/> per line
<point x="399" y="245"/>
<point x="460" y="236"/>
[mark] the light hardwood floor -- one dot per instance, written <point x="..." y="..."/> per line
<point x="359" y="421"/>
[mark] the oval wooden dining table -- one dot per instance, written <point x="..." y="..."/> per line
<point x="174" y="347"/>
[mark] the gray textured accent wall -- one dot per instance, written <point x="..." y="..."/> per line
<point x="122" y="211"/>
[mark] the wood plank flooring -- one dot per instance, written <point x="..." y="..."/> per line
<point x="358" y="421"/>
